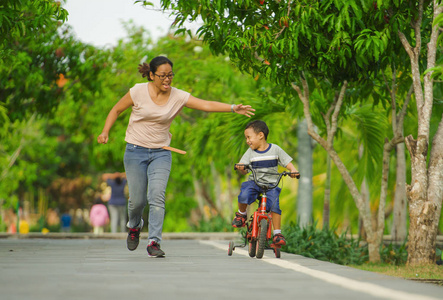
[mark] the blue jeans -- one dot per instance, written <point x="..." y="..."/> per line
<point x="147" y="172"/>
<point x="250" y="190"/>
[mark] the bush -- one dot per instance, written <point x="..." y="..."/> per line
<point x="324" y="245"/>
<point x="394" y="255"/>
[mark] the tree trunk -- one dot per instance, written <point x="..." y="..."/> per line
<point x="327" y="198"/>
<point x="304" y="203"/>
<point x="424" y="212"/>
<point x="364" y="191"/>
<point x="425" y="192"/>
<point x="399" y="226"/>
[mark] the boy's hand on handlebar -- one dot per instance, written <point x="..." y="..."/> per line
<point x="294" y="175"/>
<point x="240" y="167"/>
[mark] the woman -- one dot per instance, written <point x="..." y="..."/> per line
<point x="154" y="105"/>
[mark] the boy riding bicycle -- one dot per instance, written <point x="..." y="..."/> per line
<point x="265" y="158"/>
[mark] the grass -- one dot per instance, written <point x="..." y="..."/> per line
<point x="422" y="273"/>
<point x="327" y="245"/>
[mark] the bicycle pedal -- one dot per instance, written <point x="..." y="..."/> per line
<point x="274" y="246"/>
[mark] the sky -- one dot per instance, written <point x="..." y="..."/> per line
<point x="98" y="22"/>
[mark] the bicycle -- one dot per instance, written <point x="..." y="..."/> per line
<point x="259" y="226"/>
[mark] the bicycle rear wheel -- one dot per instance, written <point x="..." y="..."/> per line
<point x="231" y="248"/>
<point x="263" y="231"/>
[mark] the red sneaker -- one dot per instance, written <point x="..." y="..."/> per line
<point x="239" y="220"/>
<point x="279" y="239"/>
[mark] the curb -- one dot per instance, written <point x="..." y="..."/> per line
<point x="123" y="235"/>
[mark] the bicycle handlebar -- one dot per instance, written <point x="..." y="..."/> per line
<point x="262" y="184"/>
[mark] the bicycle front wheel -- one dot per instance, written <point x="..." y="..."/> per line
<point x="263" y="231"/>
<point x="252" y="247"/>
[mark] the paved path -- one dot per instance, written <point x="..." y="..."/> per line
<point x="104" y="269"/>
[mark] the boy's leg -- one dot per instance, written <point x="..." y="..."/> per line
<point x="248" y="193"/>
<point x="276" y="221"/>
<point x="274" y="207"/>
<point x="242" y="207"/>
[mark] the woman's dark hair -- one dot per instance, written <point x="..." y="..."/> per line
<point x="118" y="180"/>
<point x="259" y="126"/>
<point x="156" y="62"/>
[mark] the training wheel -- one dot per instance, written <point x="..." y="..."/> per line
<point x="231" y="248"/>
<point x="277" y="252"/>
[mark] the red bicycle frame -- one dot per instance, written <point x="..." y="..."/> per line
<point x="259" y="215"/>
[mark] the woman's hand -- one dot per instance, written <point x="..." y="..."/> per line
<point x="102" y="138"/>
<point x="246" y="110"/>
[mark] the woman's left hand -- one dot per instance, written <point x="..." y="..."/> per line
<point x="246" y="110"/>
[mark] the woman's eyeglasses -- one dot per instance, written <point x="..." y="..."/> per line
<point x="163" y="77"/>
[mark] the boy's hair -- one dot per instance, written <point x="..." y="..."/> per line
<point x="259" y="126"/>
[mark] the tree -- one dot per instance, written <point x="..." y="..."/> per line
<point x="425" y="193"/>
<point x="281" y="39"/>
<point x="26" y="61"/>
<point x="411" y="24"/>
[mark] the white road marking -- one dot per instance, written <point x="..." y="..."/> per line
<point x="368" y="288"/>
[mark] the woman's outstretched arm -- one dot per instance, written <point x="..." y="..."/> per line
<point x="214" y="106"/>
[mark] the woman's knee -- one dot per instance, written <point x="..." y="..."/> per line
<point x="137" y="204"/>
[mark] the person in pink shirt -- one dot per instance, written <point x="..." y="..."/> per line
<point x="154" y="105"/>
<point x="98" y="216"/>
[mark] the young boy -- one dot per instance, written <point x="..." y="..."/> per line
<point x="263" y="157"/>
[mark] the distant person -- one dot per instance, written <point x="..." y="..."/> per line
<point x="10" y="220"/>
<point x="66" y="220"/>
<point x="265" y="159"/>
<point x="154" y="105"/>
<point x="117" y="202"/>
<point x="98" y="216"/>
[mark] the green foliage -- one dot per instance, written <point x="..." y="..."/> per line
<point x="327" y="245"/>
<point x="338" y="40"/>
<point x="20" y="18"/>
<point x="371" y="126"/>
<point x="26" y="158"/>
<point x="215" y="224"/>
<point x="178" y="210"/>
<point x="29" y="65"/>
<point x="324" y="245"/>
<point x="394" y="255"/>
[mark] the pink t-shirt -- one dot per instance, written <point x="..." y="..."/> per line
<point x="149" y="123"/>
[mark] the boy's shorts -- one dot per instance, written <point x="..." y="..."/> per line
<point x="250" y="190"/>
